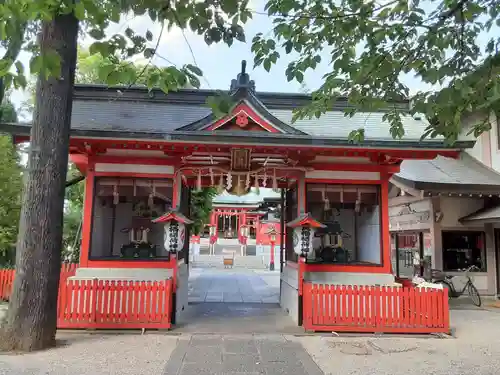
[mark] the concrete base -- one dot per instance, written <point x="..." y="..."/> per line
<point x="133" y="274"/>
<point x="350" y="278"/>
<point x="182" y="296"/>
<point x="289" y="293"/>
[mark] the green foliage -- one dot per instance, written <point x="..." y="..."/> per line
<point x="73" y="213"/>
<point x="216" y="20"/>
<point x="201" y="207"/>
<point x="10" y="189"/>
<point x="96" y="69"/>
<point x="372" y="45"/>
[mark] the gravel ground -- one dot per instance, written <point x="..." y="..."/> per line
<point x="82" y="354"/>
<point x="474" y="350"/>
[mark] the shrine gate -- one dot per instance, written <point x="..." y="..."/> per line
<point x="143" y="152"/>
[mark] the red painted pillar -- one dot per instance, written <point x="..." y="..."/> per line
<point x="385" y="242"/>
<point x="87" y="216"/>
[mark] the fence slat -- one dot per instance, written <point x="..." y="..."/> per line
<point x="374" y="309"/>
<point x="106" y="304"/>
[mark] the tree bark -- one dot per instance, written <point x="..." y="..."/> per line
<point x="32" y="315"/>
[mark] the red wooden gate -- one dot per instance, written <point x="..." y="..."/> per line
<point x="374" y="309"/>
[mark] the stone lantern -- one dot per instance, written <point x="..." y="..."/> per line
<point x="174" y="225"/>
<point x="304" y="227"/>
<point x="272" y="233"/>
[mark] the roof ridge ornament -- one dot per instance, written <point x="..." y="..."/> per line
<point x="242" y="80"/>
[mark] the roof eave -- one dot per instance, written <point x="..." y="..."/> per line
<point x="247" y="137"/>
<point x="436" y="187"/>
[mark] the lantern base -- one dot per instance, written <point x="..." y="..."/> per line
<point x="271" y="266"/>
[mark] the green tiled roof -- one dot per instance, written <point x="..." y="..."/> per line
<point x="250" y="199"/>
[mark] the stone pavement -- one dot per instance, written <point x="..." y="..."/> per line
<point x="220" y="285"/>
<point x="245" y="355"/>
<point x="236" y="318"/>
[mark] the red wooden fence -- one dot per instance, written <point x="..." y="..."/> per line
<point x="343" y="308"/>
<point x="115" y="304"/>
<point x="93" y="304"/>
<point x="7" y="278"/>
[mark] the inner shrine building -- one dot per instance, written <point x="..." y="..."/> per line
<point x="143" y="152"/>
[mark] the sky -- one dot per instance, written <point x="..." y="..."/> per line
<point x="219" y="62"/>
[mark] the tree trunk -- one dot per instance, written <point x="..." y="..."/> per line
<point x="32" y="315"/>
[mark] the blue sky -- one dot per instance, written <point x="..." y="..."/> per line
<point x="221" y="63"/>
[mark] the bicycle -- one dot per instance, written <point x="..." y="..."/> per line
<point x="439" y="277"/>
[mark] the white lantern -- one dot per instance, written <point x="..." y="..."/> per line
<point x="304" y="227"/>
<point x="174" y="226"/>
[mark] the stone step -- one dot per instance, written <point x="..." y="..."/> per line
<point x="256" y="262"/>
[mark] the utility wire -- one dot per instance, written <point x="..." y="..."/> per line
<point x="176" y="16"/>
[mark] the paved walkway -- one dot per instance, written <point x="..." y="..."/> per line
<point x="233" y="285"/>
<point x="236" y="318"/>
<point x="212" y="355"/>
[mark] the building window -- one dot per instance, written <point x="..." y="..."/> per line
<point x="352" y="215"/>
<point x="121" y="219"/>
<point x="463" y="249"/>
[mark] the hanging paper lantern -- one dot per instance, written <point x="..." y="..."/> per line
<point x="304" y="227"/>
<point x="174" y="226"/>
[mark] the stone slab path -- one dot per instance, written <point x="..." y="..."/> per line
<point x="236" y="318"/>
<point x="245" y="355"/>
<point x="219" y="285"/>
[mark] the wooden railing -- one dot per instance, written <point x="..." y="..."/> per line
<point x="115" y="304"/>
<point x="94" y="304"/>
<point x="343" y="308"/>
<point x="7" y="278"/>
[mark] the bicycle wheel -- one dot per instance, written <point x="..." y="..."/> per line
<point x="474" y="295"/>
